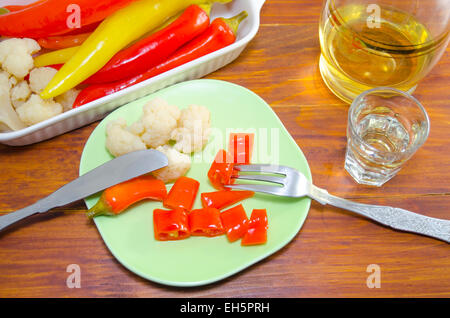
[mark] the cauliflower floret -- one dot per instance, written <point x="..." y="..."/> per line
<point x="20" y="94"/>
<point x="4" y="80"/>
<point x="119" y="140"/>
<point x="193" y="129"/>
<point x="40" y="77"/>
<point x="159" y="119"/>
<point x="8" y="117"/>
<point x="13" y="81"/>
<point x="36" y="110"/>
<point x="16" y="56"/>
<point x="179" y="164"/>
<point x="137" y="128"/>
<point x="67" y="99"/>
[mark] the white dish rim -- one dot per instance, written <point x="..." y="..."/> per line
<point x="256" y="6"/>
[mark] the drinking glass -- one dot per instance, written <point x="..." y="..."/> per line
<point x="385" y="128"/>
<point x="372" y="43"/>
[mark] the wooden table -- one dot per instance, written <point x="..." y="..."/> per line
<point x="330" y="255"/>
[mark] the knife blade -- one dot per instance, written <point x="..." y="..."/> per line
<point x="115" y="171"/>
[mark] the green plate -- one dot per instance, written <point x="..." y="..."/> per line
<point x="201" y="260"/>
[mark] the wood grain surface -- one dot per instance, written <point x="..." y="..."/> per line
<point x="329" y="256"/>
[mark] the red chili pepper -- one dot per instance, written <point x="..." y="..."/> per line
<point x="221" y="170"/>
<point x="221" y="33"/>
<point x="222" y="199"/>
<point x="155" y="48"/>
<point x="182" y="194"/>
<point x="170" y="224"/>
<point x="117" y="198"/>
<point x="63" y="41"/>
<point x="241" y="147"/>
<point x="45" y="18"/>
<point x="56" y="66"/>
<point x="257" y="228"/>
<point x="235" y="222"/>
<point x="205" y="222"/>
<point x="89" y="28"/>
<point x="12" y="8"/>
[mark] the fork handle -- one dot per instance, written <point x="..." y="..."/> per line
<point x="396" y="218"/>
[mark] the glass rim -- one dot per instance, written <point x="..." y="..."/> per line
<point x="358" y="100"/>
<point x="436" y="41"/>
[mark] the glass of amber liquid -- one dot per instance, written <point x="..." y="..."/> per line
<point x="373" y="43"/>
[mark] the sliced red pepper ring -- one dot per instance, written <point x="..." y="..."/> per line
<point x="240" y="147"/>
<point x="257" y="228"/>
<point x="222" y="199"/>
<point x="182" y="194"/>
<point x="170" y="224"/>
<point x="205" y="222"/>
<point x="235" y="222"/>
<point x="117" y="198"/>
<point x="221" y="170"/>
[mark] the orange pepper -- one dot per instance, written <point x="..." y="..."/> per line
<point x="205" y="222"/>
<point x="224" y="198"/>
<point x="257" y="228"/>
<point x="182" y="194"/>
<point x="221" y="170"/>
<point x="241" y="147"/>
<point x="117" y="198"/>
<point x="170" y="224"/>
<point x="235" y="222"/>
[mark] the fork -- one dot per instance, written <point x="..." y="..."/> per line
<point x="293" y="183"/>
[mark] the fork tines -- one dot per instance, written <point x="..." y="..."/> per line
<point x="262" y="168"/>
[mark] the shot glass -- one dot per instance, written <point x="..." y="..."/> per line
<point x="385" y="128"/>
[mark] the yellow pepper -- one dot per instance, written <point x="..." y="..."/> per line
<point x="55" y="57"/>
<point x="113" y="34"/>
<point x="61" y="56"/>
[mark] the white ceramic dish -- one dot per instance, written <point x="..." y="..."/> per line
<point x="98" y="109"/>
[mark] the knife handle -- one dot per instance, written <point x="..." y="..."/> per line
<point x="40" y="206"/>
<point x="43" y="205"/>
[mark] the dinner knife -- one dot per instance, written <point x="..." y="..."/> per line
<point x="115" y="171"/>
